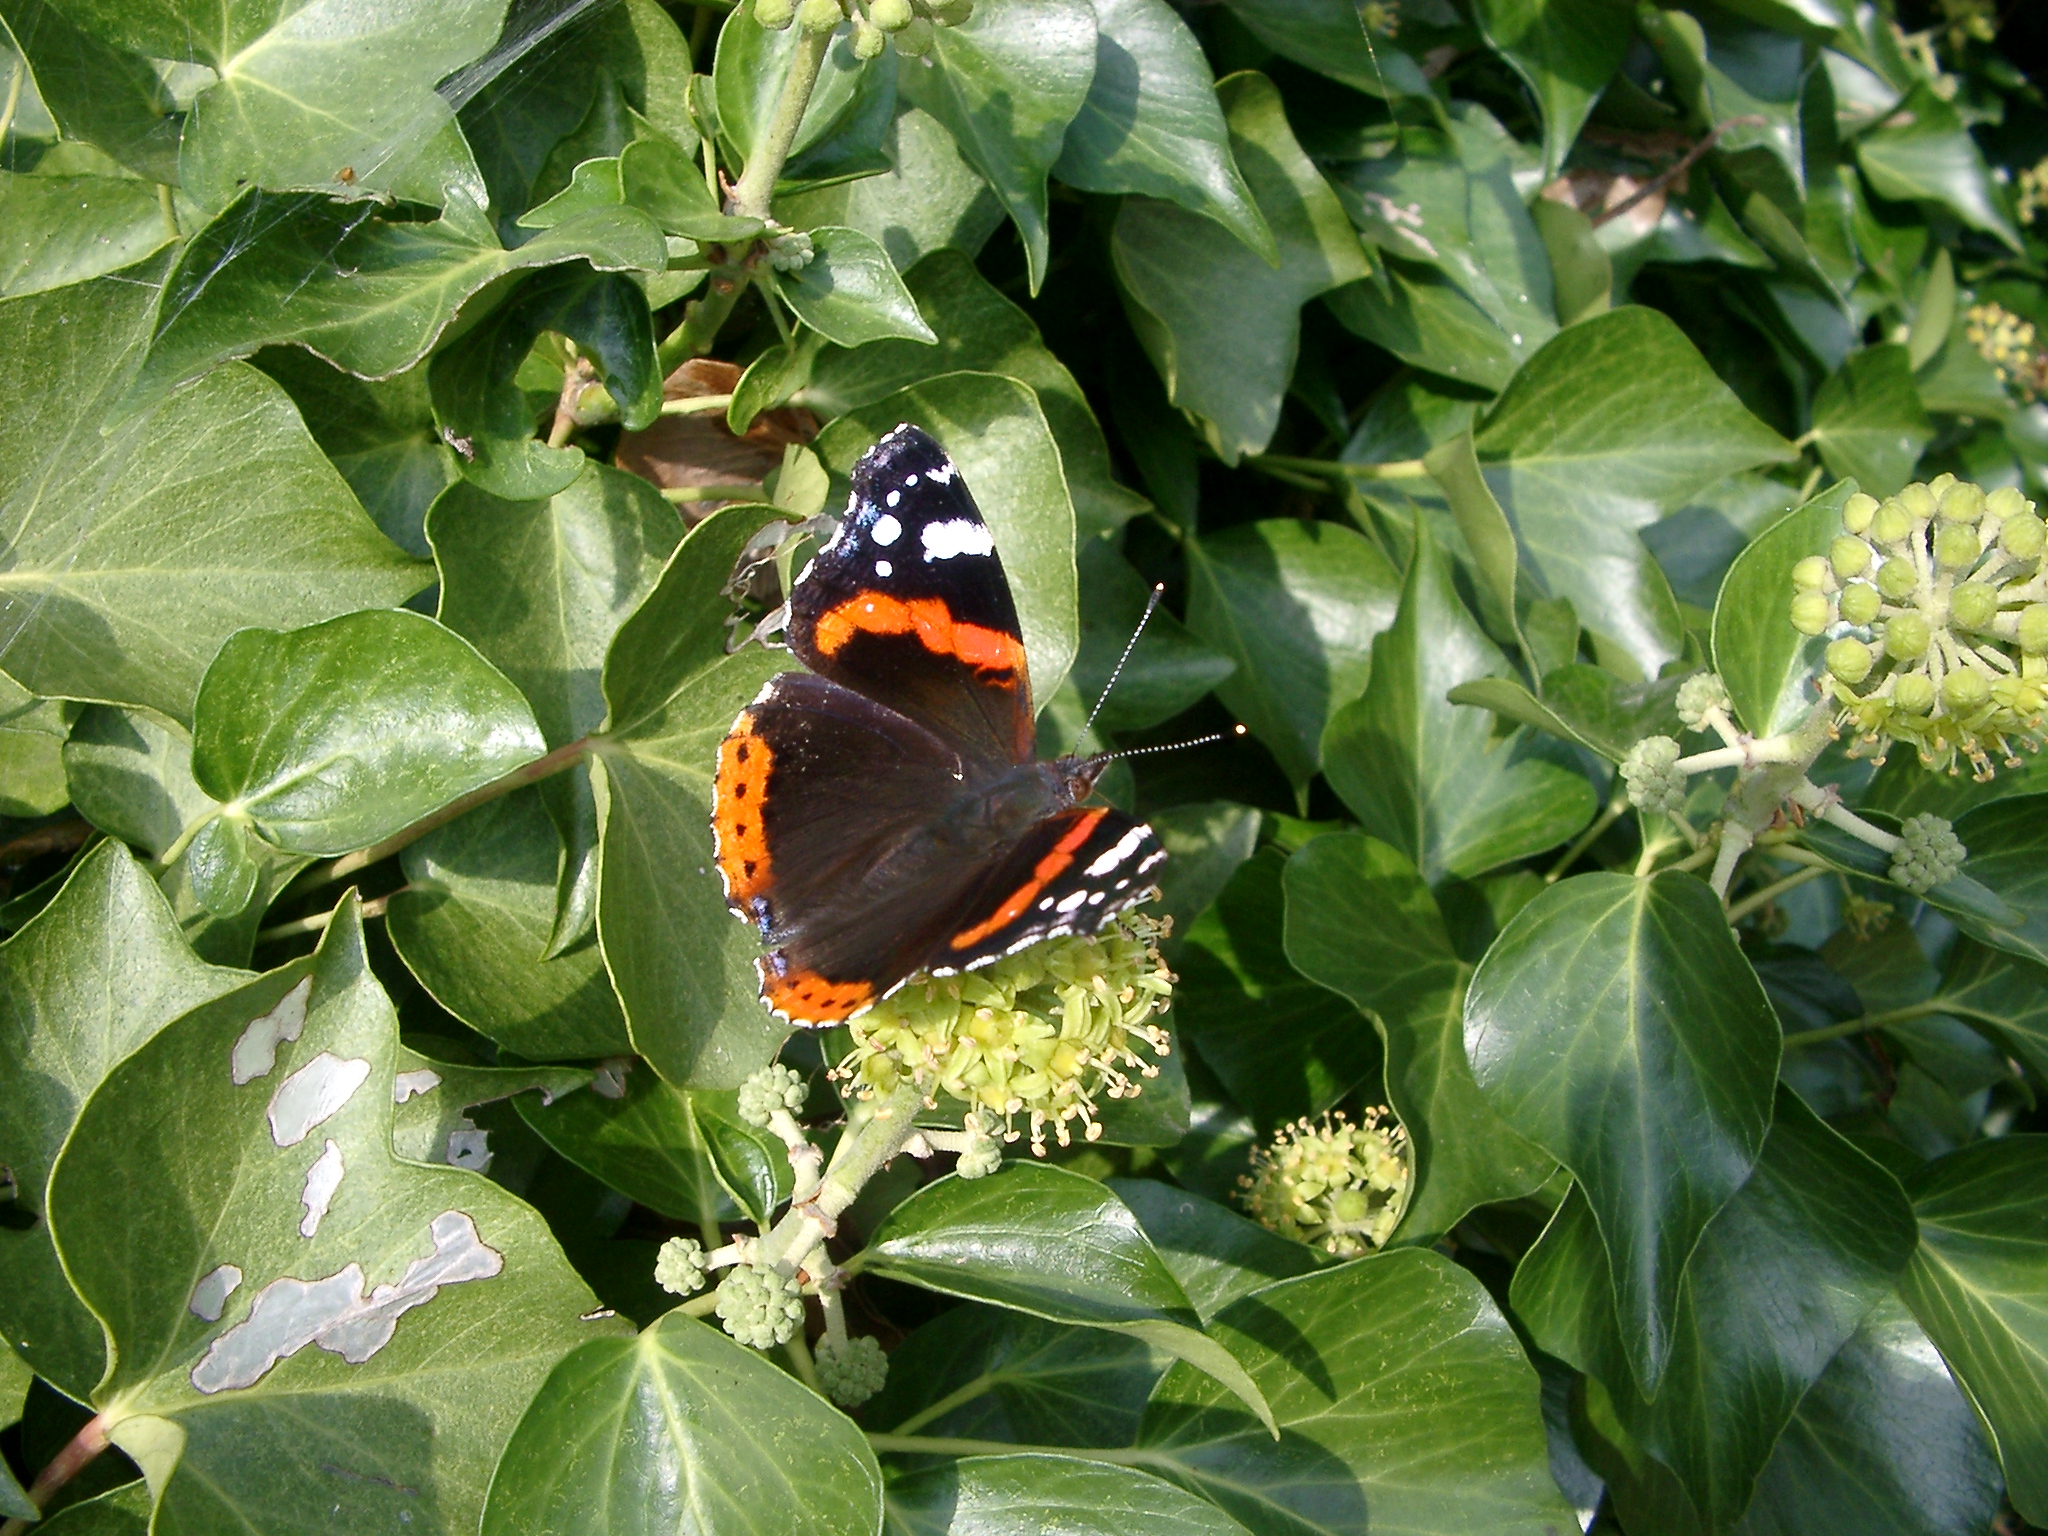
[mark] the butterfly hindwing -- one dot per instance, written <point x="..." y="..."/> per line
<point x="908" y="604"/>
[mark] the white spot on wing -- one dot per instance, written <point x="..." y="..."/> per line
<point x="410" y="1084"/>
<point x="255" y="1053"/>
<point x="944" y="473"/>
<point x="886" y="530"/>
<point x="313" y="1094"/>
<point x="1125" y="846"/>
<point x="884" y="569"/>
<point x="322" y="1180"/>
<point x="896" y="496"/>
<point x="1157" y="858"/>
<point x="1069" y="903"/>
<point x="210" y="1295"/>
<point x="333" y="1312"/>
<point x="956" y="536"/>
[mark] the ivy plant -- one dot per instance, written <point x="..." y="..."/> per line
<point x="1571" y="468"/>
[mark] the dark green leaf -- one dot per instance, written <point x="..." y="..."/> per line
<point x="1059" y="1246"/>
<point x="98" y="972"/>
<point x="1979" y="1286"/>
<point x="1216" y="1255"/>
<point x="2006" y="841"/>
<point x="1780" y="1280"/>
<point x="1426" y="775"/>
<point x="1405" y="1404"/>
<point x="1031" y="1495"/>
<point x="751" y="1163"/>
<point x="1868" y="422"/>
<point x="1151" y="123"/>
<point x="1295" y="606"/>
<point x="1332" y="40"/>
<point x="1923" y="152"/>
<point x="641" y="1141"/>
<point x="1206" y="843"/>
<point x="1566" y="50"/>
<point x="1361" y="921"/>
<point x="216" y="492"/>
<point x="1580" y="268"/>
<point x="1423" y="318"/>
<point x="1220" y="324"/>
<point x="682" y="1428"/>
<point x="330" y="737"/>
<point x="1768" y="665"/>
<point x="1616" y="1024"/>
<point x="849" y="293"/>
<point x="1169" y="670"/>
<point x="102" y="95"/>
<point x="2002" y="994"/>
<point x="431" y="1123"/>
<point x="1584" y="704"/>
<point x="32" y="733"/>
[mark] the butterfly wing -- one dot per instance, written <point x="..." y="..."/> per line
<point x="908" y="605"/>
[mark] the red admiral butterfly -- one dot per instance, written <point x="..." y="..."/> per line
<point x="885" y="812"/>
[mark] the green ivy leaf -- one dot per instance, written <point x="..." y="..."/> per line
<point x="680" y="1427"/>
<point x="1425" y="319"/>
<point x="682" y="965"/>
<point x="1283" y="1045"/>
<point x="1768" y="665"/>
<point x="1361" y="921"/>
<point x="1059" y="1246"/>
<point x="640" y="1140"/>
<point x="750" y="1163"/>
<point x="1217" y="1255"/>
<point x="1584" y="704"/>
<point x="370" y="295"/>
<point x="1332" y="41"/>
<point x="1868" y="423"/>
<point x="330" y="737"/>
<point x="1025" y="1495"/>
<point x="1781" y="1279"/>
<point x="70" y="229"/>
<point x="849" y="293"/>
<point x="414" y="1387"/>
<point x="1151" y="124"/>
<point x="476" y="916"/>
<point x="1976" y="1285"/>
<point x="1168" y="671"/>
<point x="103" y="95"/>
<point x="1923" y="152"/>
<point x="1404" y="1403"/>
<point x="1614" y="423"/>
<point x="980" y="331"/>
<point x="1566" y="50"/>
<point x="996" y="433"/>
<point x="430" y="1122"/>
<point x="1427" y="775"/>
<point x="1616" y="1024"/>
<point x="15" y="1379"/>
<point x="1008" y="81"/>
<point x="99" y="971"/>
<point x="2001" y="994"/>
<point x="32" y="733"/>
<point x="2006" y="844"/>
<point x="216" y="493"/>
<point x="1206" y="844"/>
<point x="122" y="1511"/>
<point x="747" y="75"/>
<point x="1295" y="606"/>
<point x="1221" y="325"/>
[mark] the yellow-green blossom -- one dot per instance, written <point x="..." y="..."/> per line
<point x="1334" y="1185"/>
<point x="1037" y="1036"/>
<point x="2006" y="342"/>
<point x="2033" y="190"/>
<point x="1937" y="608"/>
<point x="1381" y="18"/>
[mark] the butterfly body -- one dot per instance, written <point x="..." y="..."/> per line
<point x="884" y="813"/>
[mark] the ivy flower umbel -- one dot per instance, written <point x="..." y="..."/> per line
<point x="1334" y="1185"/>
<point x="1939" y="606"/>
<point x="2006" y="342"/>
<point x="1037" y="1036"/>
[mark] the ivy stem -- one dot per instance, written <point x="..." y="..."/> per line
<point x="1872" y="1021"/>
<point x="529" y="773"/>
<point x="1616" y="809"/>
<point x="1393" y="469"/>
<point x="1836" y="815"/>
<point x="752" y="197"/>
<point x="695" y="404"/>
<point x="934" y="1445"/>
<point x="878" y="1131"/>
<point x="64" y="1466"/>
<point x="317" y="923"/>
<point x="700" y="1306"/>
<point x="1771" y="893"/>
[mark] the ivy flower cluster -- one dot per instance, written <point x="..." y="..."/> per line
<point x="876" y="23"/>
<point x="2033" y="191"/>
<point x="1037" y="1036"/>
<point x="1331" y="1184"/>
<point x="1382" y="18"/>
<point x="2006" y="342"/>
<point x="1939" y="605"/>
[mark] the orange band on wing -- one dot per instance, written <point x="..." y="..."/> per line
<point x="738" y="795"/>
<point x="930" y="620"/>
<point x="1045" y="870"/>
<point x="805" y="997"/>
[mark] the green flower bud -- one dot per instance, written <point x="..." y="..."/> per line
<point x="2034" y="629"/>
<point x="1928" y="854"/>
<point x="1973" y="605"/>
<point x="915" y="39"/>
<point x="1810" y="574"/>
<point x="950" y="13"/>
<point x="1651" y="772"/>
<point x="1849" y="557"/>
<point x="1697" y="695"/>
<point x="1811" y="613"/>
<point x="2007" y="502"/>
<point x="852" y="1372"/>
<point x="1962" y="502"/>
<point x="775" y="15"/>
<point x="890" y="15"/>
<point x="1850" y="660"/>
<point x="1956" y="547"/>
<point x="1914" y="693"/>
<point x="1857" y="512"/>
<point x="819" y="15"/>
<point x="2022" y="536"/>
<point x="1938" y="486"/>
<point x="1859" y="603"/>
<point x="760" y="1306"/>
<point x="1892" y="523"/>
<point x="868" y="39"/>
<point x="771" y="1088"/>
<point x="1918" y="501"/>
<point x="1965" y="689"/>
<point x="1897" y="579"/>
<point x="1906" y="636"/>
<point x="679" y="1266"/>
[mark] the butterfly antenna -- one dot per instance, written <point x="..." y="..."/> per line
<point x="1151" y="603"/>
<point x="1174" y="746"/>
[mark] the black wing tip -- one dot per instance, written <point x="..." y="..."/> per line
<point x="904" y="449"/>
